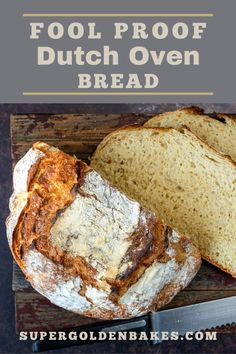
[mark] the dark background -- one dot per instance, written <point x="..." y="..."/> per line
<point x="9" y="343"/>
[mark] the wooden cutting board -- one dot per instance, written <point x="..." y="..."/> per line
<point x="79" y="135"/>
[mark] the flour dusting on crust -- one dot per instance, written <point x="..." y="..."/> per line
<point x="111" y="233"/>
<point x="19" y="197"/>
<point x="114" y="218"/>
<point x="50" y="280"/>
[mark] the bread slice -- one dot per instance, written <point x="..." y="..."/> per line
<point x="185" y="182"/>
<point x="86" y="246"/>
<point x="218" y="131"/>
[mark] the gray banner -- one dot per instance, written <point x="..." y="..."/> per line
<point x="23" y="80"/>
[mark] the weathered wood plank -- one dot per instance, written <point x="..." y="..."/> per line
<point x="74" y="134"/>
<point x="55" y="127"/>
<point x="35" y="313"/>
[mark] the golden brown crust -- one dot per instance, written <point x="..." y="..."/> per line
<point x="220" y="117"/>
<point x="192" y="109"/>
<point x="156" y="252"/>
<point x="53" y="182"/>
<point x="171" y="289"/>
<point x="50" y="186"/>
<point x="165" y="295"/>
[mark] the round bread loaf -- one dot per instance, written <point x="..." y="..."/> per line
<point x="86" y="246"/>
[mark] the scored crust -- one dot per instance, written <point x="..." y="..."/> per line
<point x="86" y="246"/>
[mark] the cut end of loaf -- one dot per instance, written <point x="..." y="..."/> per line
<point x="185" y="182"/>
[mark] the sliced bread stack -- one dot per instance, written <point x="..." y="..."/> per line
<point x="218" y="131"/>
<point x="180" y="177"/>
